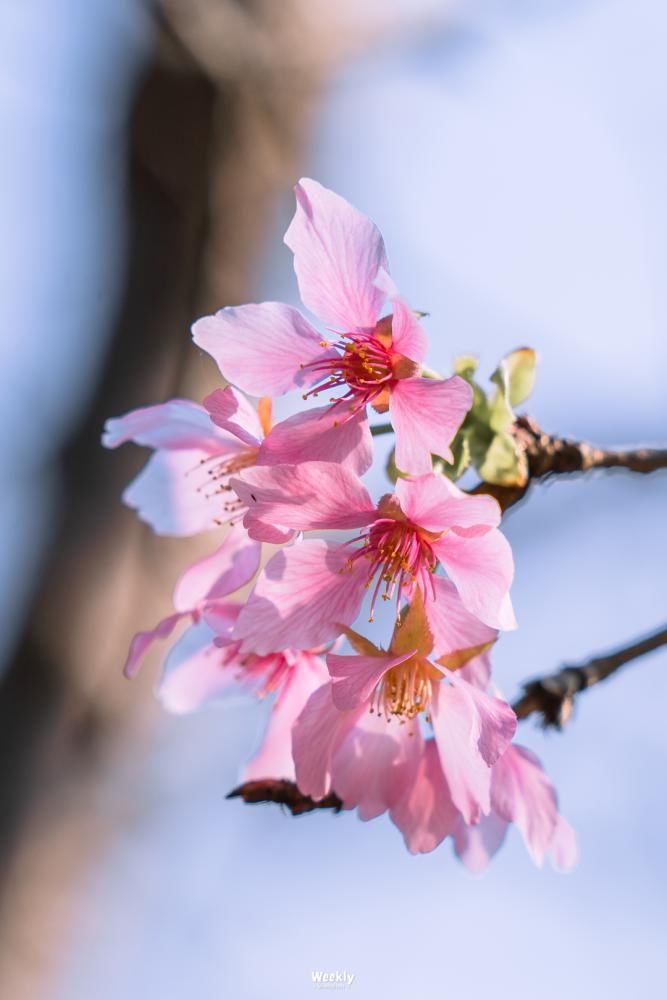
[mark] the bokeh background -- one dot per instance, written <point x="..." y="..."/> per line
<point x="514" y="155"/>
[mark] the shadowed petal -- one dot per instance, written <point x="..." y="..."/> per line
<point x="320" y="434"/>
<point x="354" y="678"/>
<point x="274" y="757"/>
<point x="222" y="572"/>
<point x="304" y="497"/>
<point x="425" y="814"/>
<point x="375" y="764"/>
<point x="301" y="599"/>
<point x="316" y="735"/>
<point x="426" y="414"/>
<point x="173" y="494"/>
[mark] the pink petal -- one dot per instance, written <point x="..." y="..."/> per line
<point x="231" y="411"/>
<point x="407" y="335"/>
<point x="425" y="814"/>
<point x="195" y="674"/>
<point x="564" y="846"/>
<point x="227" y="569"/>
<point x="456" y="727"/>
<point x="173" y="494"/>
<point x="453" y="627"/>
<point x="179" y="423"/>
<point x="493" y="720"/>
<point x="337" y="255"/>
<point x="304" y="497"/>
<point x="222" y="617"/>
<point x="375" y="764"/>
<point x="301" y="598"/>
<point x="482" y="569"/>
<point x="320" y="434"/>
<point x="144" y="640"/>
<point x="433" y="502"/>
<point x="426" y="414"/>
<point x="522" y="794"/>
<point x="476" y="845"/>
<point x="260" y="348"/>
<point x="316" y="735"/>
<point x="274" y="757"/>
<point x="478" y="670"/>
<point x="354" y="678"/>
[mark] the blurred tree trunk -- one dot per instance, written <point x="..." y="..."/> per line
<point x="217" y="130"/>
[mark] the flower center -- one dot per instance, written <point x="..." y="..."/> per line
<point x="405" y="690"/>
<point x="363" y="367"/>
<point x="400" y="555"/>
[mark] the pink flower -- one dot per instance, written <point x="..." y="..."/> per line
<point x="308" y="590"/>
<point x="206" y="664"/>
<point x="361" y="734"/>
<point x="182" y="488"/>
<point x="202" y="590"/>
<point x="521" y="794"/>
<point x="343" y="278"/>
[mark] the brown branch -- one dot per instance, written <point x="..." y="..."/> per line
<point x="548" y="455"/>
<point x="551" y="696"/>
<point x="285" y="793"/>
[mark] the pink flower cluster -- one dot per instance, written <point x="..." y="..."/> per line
<point x="411" y="729"/>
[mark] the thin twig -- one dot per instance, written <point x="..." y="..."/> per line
<point x="553" y="696"/>
<point x="548" y="455"/>
<point x="381" y="429"/>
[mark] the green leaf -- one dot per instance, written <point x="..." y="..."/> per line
<point x="502" y="464"/>
<point x="392" y="470"/>
<point x="515" y="375"/>
<point x="466" y="365"/>
<point x="461" y="452"/>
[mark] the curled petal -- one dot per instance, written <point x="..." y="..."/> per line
<point x="354" y="678"/>
<point x="144" y="640"/>
<point x="230" y="567"/>
<point x="231" y="411"/>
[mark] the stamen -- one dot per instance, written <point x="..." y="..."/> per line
<point x="400" y="556"/>
<point x="363" y="367"/>
<point x="404" y="691"/>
